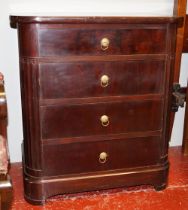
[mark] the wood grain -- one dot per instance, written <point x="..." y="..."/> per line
<point x="61" y="63"/>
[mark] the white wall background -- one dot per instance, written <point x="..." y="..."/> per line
<point x="9" y="67"/>
<point x="177" y="132"/>
<point x="92" y="7"/>
<point x="9" y="50"/>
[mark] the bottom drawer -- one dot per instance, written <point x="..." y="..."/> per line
<point x="99" y="156"/>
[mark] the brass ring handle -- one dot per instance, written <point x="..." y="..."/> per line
<point x="104" y="120"/>
<point x="105" y="43"/>
<point x="104" y="81"/>
<point x="103" y="157"/>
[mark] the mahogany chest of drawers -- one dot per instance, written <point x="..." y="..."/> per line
<point x="96" y="101"/>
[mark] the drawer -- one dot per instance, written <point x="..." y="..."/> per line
<point x="102" y="40"/>
<point x="61" y="121"/>
<point x="94" y="79"/>
<point x="100" y="156"/>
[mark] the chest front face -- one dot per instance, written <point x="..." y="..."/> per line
<point x="96" y="102"/>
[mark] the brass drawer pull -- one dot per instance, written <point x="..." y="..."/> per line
<point x="104" y="120"/>
<point x="105" y="43"/>
<point x="104" y="81"/>
<point x="103" y="157"/>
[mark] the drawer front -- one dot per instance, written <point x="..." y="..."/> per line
<point x="93" y="79"/>
<point x="88" y="41"/>
<point x="100" y="156"/>
<point x="62" y="121"/>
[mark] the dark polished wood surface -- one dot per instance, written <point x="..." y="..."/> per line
<point x="62" y="62"/>
<point x="77" y="157"/>
<point x="84" y="120"/>
<point x="185" y="38"/>
<point x="85" y="40"/>
<point x="124" y="78"/>
<point x="15" y="20"/>
<point x="179" y="11"/>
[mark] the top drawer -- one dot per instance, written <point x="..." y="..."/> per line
<point x="101" y="40"/>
